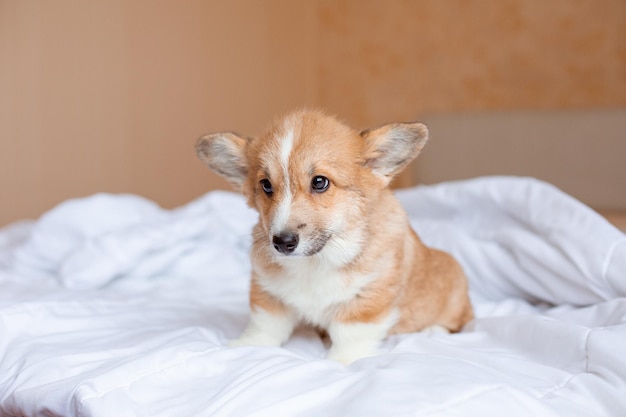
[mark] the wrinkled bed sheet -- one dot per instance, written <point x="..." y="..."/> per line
<point x="112" y="306"/>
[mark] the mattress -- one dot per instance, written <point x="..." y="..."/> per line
<point x="113" y="306"/>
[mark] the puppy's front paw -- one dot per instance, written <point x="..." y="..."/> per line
<point x="252" y="338"/>
<point x="266" y="329"/>
<point x="345" y="359"/>
<point x="256" y="340"/>
<point x="347" y="355"/>
<point x="435" y="329"/>
<point x="238" y="343"/>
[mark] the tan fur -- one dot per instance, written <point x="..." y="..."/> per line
<point x="426" y="286"/>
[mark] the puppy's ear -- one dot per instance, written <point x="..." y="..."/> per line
<point x="390" y="148"/>
<point x="225" y="153"/>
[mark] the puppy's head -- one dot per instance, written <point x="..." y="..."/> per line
<point x="312" y="178"/>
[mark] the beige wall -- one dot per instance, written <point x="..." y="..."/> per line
<point x="583" y="152"/>
<point x="110" y="95"/>
<point x="387" y="59"/>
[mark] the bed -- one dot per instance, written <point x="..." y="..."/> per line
<point x="113" y="306"/>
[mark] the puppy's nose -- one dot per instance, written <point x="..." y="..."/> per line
<point x="285" y="242"/>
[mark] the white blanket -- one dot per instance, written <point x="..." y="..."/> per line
<point x="112" y="306"/>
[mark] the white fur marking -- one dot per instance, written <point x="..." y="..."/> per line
<point x="435" y="329"/>
<point x="353" y="341"/>
<point x="285" y="151"/>
<point x="342" y="248"/>
<point x="314" y="288"/>
<point x="283" y="211"/>
<point x="266" y="329"/>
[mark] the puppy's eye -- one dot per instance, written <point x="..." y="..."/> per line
<point x="319" y="184"/>
<point x="266" y="185"/>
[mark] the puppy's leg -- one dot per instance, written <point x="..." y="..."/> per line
<point x="267" y="329"/>
<point x="271" y="321"/>
<point x="354" y="340"/>
<point x="435" y="329"/>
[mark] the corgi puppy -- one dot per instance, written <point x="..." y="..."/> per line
<point x="333" y="247"/>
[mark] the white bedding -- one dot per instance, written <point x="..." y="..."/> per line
<point x="112" y="306"/>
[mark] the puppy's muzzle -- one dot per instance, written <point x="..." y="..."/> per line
<point x="285" y="242"/>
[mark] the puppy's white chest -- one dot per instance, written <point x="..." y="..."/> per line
<point x="315" y="294"/>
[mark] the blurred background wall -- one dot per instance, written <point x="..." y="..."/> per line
<point x="110" y="95"/>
